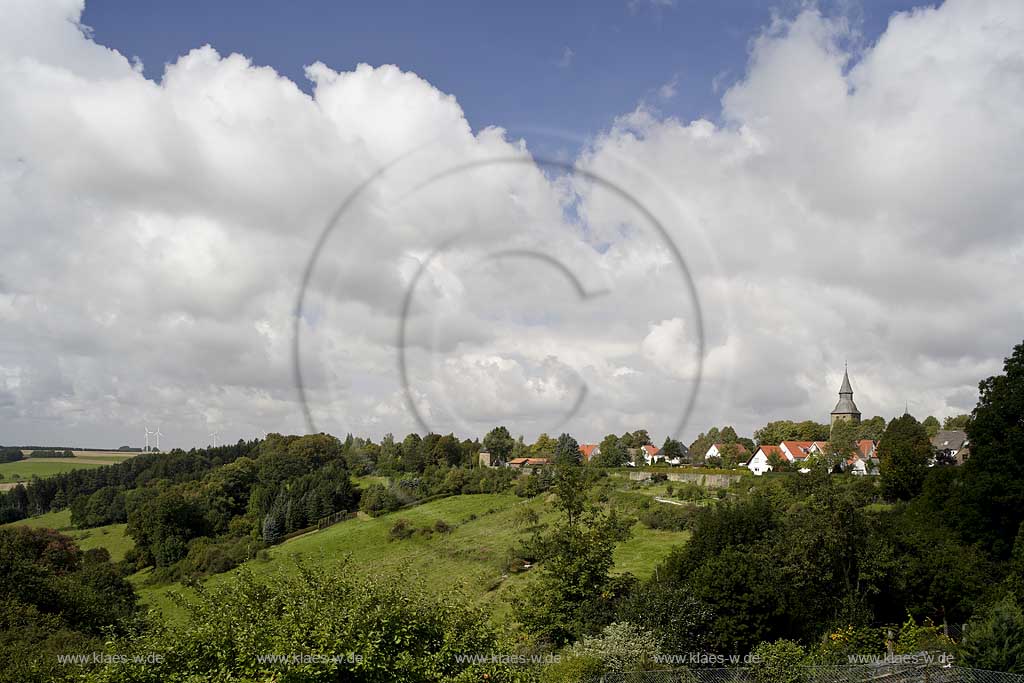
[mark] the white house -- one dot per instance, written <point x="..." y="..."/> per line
<point x="758" y="463"/>
<point x="652" y="454"/>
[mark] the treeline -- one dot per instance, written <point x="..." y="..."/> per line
<point x="55" y="493"/>
<point x="8" y="454"/>
<point x="203" y="527"/>
<point x="51" y="453"/>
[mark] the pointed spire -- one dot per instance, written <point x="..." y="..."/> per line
<point x="846" y="406"/>
<point x="846" y="388"/>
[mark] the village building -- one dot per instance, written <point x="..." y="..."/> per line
<point x="846" y="409"/>
<point x="952" y="443"/>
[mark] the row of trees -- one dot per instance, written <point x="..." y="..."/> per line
<point x="55" y="493"/>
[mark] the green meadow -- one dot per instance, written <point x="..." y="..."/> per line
<point x="471" y="556"/>
<point x="112" y="537"/>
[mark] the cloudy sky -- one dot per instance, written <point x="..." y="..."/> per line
<point x="762" y="192"/>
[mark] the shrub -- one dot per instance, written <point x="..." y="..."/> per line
<point x="443" y="527"/>
<point x="621" y="647"/>
<point x="401" y="530"/>
<point x="778" y="662"/>
<point x="667" y="516"/>
<point x="378" y="499"/>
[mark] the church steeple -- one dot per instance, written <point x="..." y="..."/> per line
<point x="845" y="409"/>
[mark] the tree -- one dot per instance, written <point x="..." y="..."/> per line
<point x="499" y="443"/>
<point x="672" y="449"/>
<point x="447" y="451"/>
<point x="994" y="641"/>
<point x="842" y="443"/>
<point x="956" y="422"/>
<point x="410" y="453"/>
<point x="567" y="451"/>
<point x="778" y="431"/>
<point x="544" y="447"/>
<point x="871" y="429"/>
<point x="575" y="593"/>
<point x="641" y="438"/>
<point x="612" y="454"/>
<point x="993" y="487"/>
<point x="903" y="452"/>
<point x="931" y="425"/>
<point x="703" y="442"/>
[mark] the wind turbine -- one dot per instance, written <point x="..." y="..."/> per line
<point x="157" y="434"/>
<point x="147" y="437"/>
<point x="214" y="435"/>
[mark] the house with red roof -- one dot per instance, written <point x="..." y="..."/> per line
<point x="589" y="450"/>
<point x="523" y="463"/>
<point x="651" y="453"/>
<point x="759" y="462"/>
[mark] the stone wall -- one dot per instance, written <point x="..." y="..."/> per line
<point x="708" y="481"/>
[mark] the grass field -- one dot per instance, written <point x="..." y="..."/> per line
<point x="111" y="537"/>
<point x="47" y="467"/>
<point x="471" y="555"/>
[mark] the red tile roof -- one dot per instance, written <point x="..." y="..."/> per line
<point x="651" y="450"/>
<point x="797" y="449"/>
<point x="587" y="449"/>
<point x="528" y="461"/>
<point x="741" y="447"/>
<point x="866" y="448"/>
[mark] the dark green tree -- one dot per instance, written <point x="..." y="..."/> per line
<point x="931" y="425"/>
<point x="672" y="449"/>
<point x="993" y="477"/>
<point x="567" y="451"/>
<point x="994" y="641"/>
<point x="903" y="452"/>
<point x="499" y="443"/>
<point x="544" y="447"/>
<point x="956" y="422"/>
<point x="612" y="454"/>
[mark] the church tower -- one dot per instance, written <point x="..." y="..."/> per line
<point x="846" y="409"/>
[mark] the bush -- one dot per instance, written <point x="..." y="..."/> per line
<point x="778" y="662"/>
<point x="401" y="530"/>
<point x="621" y="647"/>
<point x="378" y="499"/>
<point x="443" y="527"/>
<point x="393" y="631"/>
<point x="668" y="516"/>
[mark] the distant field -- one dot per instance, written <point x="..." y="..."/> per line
<point x="111" y="537"/>
<point x="47" y="467"/>
<point x="470" y="556"/>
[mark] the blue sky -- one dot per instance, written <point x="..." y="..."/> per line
<point x="872" y="188"/>
<point x="507" y="64"/>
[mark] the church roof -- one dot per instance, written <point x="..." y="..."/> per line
<point x="846" y="388"/>
<point x="846" y="406"/>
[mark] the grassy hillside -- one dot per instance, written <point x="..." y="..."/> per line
<point x="112" y="537"/>
<point x="472" y="555"/>
<point x="47" y="467"/>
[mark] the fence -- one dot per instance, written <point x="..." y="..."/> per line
<point x="334" y="519"/>
<point x="884" y="673"/>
